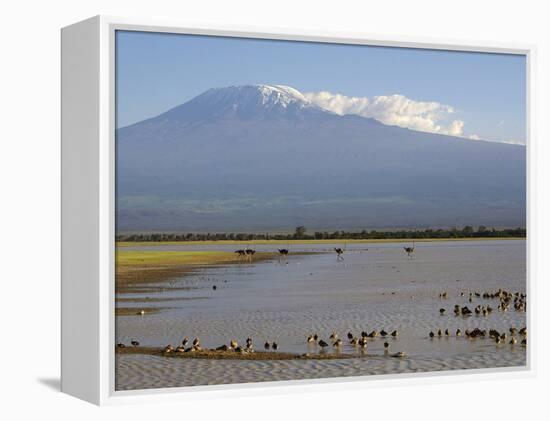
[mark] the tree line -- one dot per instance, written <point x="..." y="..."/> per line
<point x="300" y="233"/>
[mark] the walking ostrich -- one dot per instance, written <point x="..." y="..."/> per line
<point x="409" y="250"/>
<point x="283" y="254"/>
<point x="339" y="253"/>
<point x="241" y="253"/>
<point x="249" y="253"/>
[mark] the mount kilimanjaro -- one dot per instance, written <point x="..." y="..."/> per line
<point x="264" y="158"/>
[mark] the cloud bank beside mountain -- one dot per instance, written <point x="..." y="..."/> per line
<point x="394" y="110"/>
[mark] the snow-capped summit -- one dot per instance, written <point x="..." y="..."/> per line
<point x="246" y="102"/>
<point x="266" y="95"/>
<point x="280" y="94"/>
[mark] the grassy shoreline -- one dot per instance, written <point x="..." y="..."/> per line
<point x="251" y="243"/>
<point x="146" y="267"/>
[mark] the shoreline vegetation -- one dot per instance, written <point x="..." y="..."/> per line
<point x="300" y="235"/>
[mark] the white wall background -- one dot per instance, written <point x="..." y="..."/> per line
<point x="29" y="177"/>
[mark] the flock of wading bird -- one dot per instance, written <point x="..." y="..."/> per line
<point x="507" y="301"/>
<point x="360" y="342"/>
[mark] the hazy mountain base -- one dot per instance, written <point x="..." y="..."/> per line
<point x="323" y="217"/>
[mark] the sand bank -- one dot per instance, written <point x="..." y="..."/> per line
<point x="212" y="354"/>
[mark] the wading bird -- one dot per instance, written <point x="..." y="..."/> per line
<point x="409" y="251"/>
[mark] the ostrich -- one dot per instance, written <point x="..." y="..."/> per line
<point x="241" y="253"/>
<point x="409" y="250"/>
<point x="339" y="252"/>
<point x="283" y="254"/>
<point x="249" y="253"/>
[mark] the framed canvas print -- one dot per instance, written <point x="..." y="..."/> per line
<point x="269" y="208"/>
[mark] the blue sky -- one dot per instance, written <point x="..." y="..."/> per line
<point x="156" y="72"/>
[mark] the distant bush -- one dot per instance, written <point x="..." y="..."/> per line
<point x="300" y="233"/>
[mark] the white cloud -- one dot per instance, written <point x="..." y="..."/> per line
<point x="396" y="110"/>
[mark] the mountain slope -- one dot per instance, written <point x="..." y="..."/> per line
<point x="264" y="158"/>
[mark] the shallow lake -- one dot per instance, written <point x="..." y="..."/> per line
<point x="376" y="286"/>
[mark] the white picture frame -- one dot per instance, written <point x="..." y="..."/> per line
<point x="88" y="238"/>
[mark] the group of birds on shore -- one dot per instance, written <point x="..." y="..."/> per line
<point x="359" y="341"/>
<point x="506" y="299"/>
<point x="356" y="341"/>
<point x="498" y="337"/>
<point x="233" y="346"/>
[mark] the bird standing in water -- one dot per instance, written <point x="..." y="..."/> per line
<point x="409" y="251"/>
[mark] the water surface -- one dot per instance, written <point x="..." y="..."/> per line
<point x="376" y="286"/>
